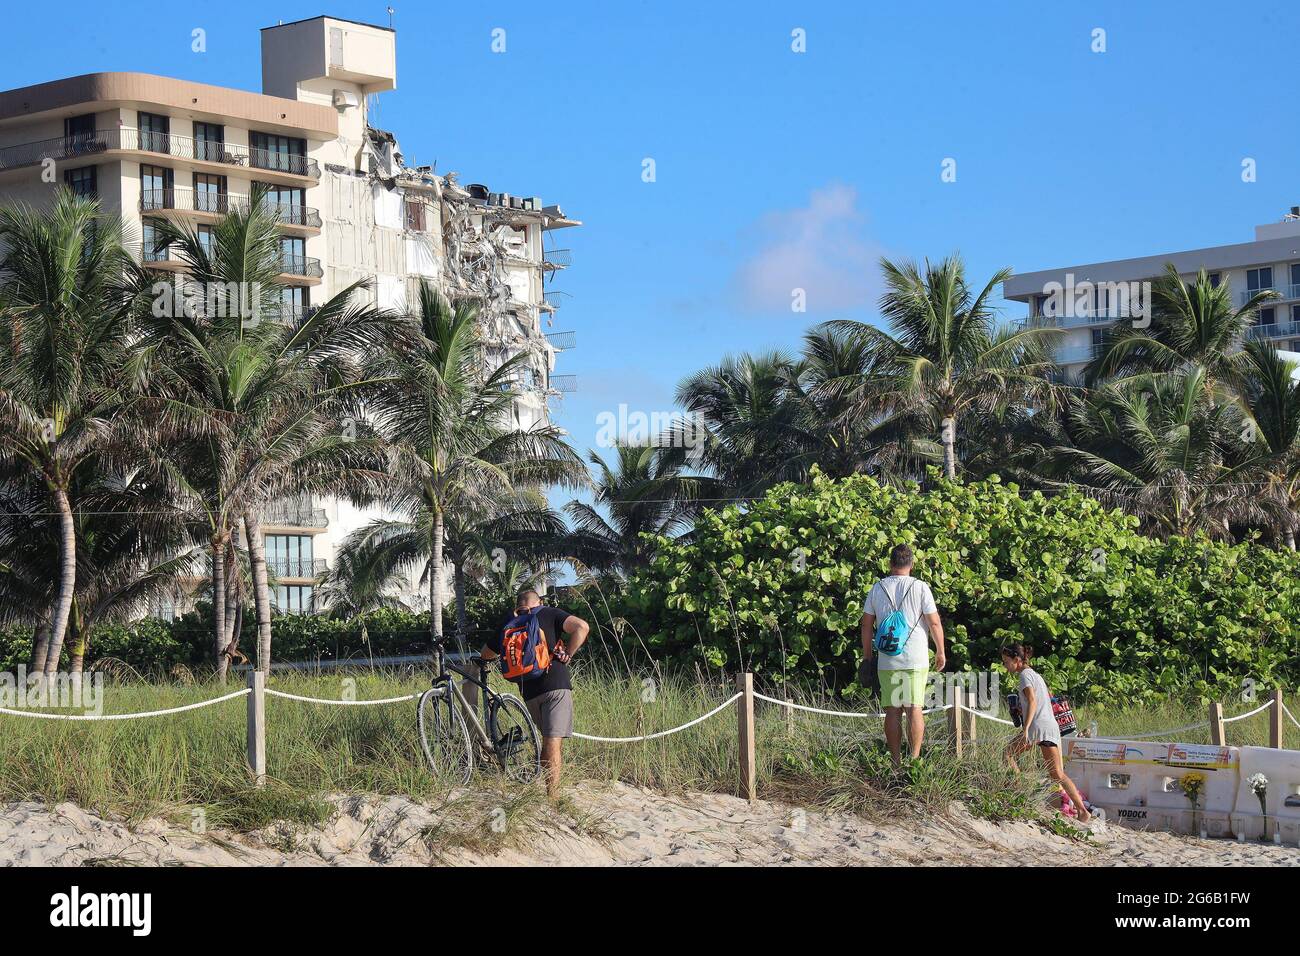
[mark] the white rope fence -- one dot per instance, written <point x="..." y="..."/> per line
<point x="836" y="713"/>
<point x="340" y="703"/>
<point x="1262" y="707"/>
<point x="982" y="715"/>
<point x="1168" y="733"/>
<point x="664" y="733"/>
<point x="1286" y="710"/>
<point x="257" y="692"/>
<point x="148" y="713"/>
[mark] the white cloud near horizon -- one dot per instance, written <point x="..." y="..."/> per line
<point x="823" y="248"/>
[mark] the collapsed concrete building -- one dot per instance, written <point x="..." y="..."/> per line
<point x="350" y="208"/>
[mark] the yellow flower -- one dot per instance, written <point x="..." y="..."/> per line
<point x="1192" y="784"/>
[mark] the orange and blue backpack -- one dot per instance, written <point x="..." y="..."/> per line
<point x="525" y="654"/>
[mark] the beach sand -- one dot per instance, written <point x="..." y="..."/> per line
<point x="626" y="826"/>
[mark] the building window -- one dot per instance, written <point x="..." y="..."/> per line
<point x="81" y="181"/>
<point x="155" y="131"/>
<point x="210" y="193"/>
<point x="156" y="187"/>
<point x="1295" y="281"/>
<point x="290" y="555"/>
<point x="210" y="142"/>
<point x="415" y="215"/>
<point x="1267" y="316"/>
<point x="1259" y="279"/>
<point x="293" y="255"/>
<point x="207" y="240"/>
<point x="287" y="202"/>
<point x="282" y="153"/>
<point x="294" y="302"/>
<point x="294" y="599"/>
<point x="79" y="126"/>
<point x="1098" y="336"/>
<point x="153" y="248"/>
<point x="1214" y="280"/>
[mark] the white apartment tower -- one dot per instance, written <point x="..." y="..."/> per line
<point x="350" y="208"/>
<point x="1085" y="300"/>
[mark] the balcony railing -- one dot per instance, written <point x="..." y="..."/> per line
<point x="1077" y="354"/>
<point x="297" y="567"/>
<point x="300" y="266"/>
<point x="553" y="300"/>
<point x="296" y="515"/>
<point x="1273" y="330"/>
<point x="149" y="254"/>
<point x="1247" y="294"/>
<point x="557" y="258"/>
<point x="221" y="204"/>
<point x="560" y="341"/>
<point x="182" y="147"/>
<point x="564" y="383"/>
<point x="293" y="215"/>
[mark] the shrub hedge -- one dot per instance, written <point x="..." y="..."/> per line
<point x="1112" y="615"/>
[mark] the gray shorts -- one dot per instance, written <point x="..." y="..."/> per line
<point x="552" y="712"/>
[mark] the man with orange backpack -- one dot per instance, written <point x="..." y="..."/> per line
<point x="536" y="646"/>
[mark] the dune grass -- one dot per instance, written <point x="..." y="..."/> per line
<point x="174" y="765"/>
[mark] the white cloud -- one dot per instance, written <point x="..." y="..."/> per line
<point x="822" y="248"/>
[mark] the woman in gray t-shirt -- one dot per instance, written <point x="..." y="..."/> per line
<point x="1038" y="724"/>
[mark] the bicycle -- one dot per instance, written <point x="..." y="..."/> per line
<point x="449" y="728"/>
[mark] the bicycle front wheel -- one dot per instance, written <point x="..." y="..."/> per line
<point x="515" y="739"/>
<point x="444" y="737"/>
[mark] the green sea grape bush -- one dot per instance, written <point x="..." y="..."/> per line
<point x="1112" y="615"/>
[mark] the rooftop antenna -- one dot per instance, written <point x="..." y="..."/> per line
<point x="390" y="18"/>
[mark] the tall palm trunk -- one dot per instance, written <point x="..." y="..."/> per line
<point x="1289" y="539"/>
<point x="435" y="578"/>
<point x="949" y="436"/>
<point x="40" y="645"/>
<point x="462" y="615"/>
<point x="78" y="645"/>
<point x="261" y="590"/>
<point x="219" y="598"/>
<point x="67" y="579"/>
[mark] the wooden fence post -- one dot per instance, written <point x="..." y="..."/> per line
<point x="257" y="726"/>
<point x="1275" y="721"/>
<point x="789" y="719"/>
<point x="955" y="723"/>
<point x="968" y="697"/>
<point x="1217" y="735"/>
<point x="745" y="726"/>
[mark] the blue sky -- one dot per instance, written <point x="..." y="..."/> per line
<point x="777" y="169"/>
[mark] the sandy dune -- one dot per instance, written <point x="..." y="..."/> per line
<point x="628" y="826"/>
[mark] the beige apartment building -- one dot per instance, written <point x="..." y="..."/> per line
<point x="349" y="208"/>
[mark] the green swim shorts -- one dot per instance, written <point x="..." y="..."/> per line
<point x="903" y="688"/>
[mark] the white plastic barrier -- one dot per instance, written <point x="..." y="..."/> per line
<point x="1139" y="782"/>
<point x="1281" y="768"/>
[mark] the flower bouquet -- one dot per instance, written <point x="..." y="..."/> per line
<point x="1259" y="787"/>
<point x="1193" y="785"/>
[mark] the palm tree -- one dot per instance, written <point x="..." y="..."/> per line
<point x="945" y="355"/>
<point x="445" y="414"/>
<point x="64" y="331"/>
<point x="265" y="400"/>
<point x="368" y="566"/>
<point x="1270" y="394"/>
<point x="379" y="558"/>
<point x="643" y="495"/>
<point x="1193" y="324"/>
<point x="849" y="417"/>
<point x="131" y="546"/>
<point x="754" y="431"/>
<point x="1159" y="447"/>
